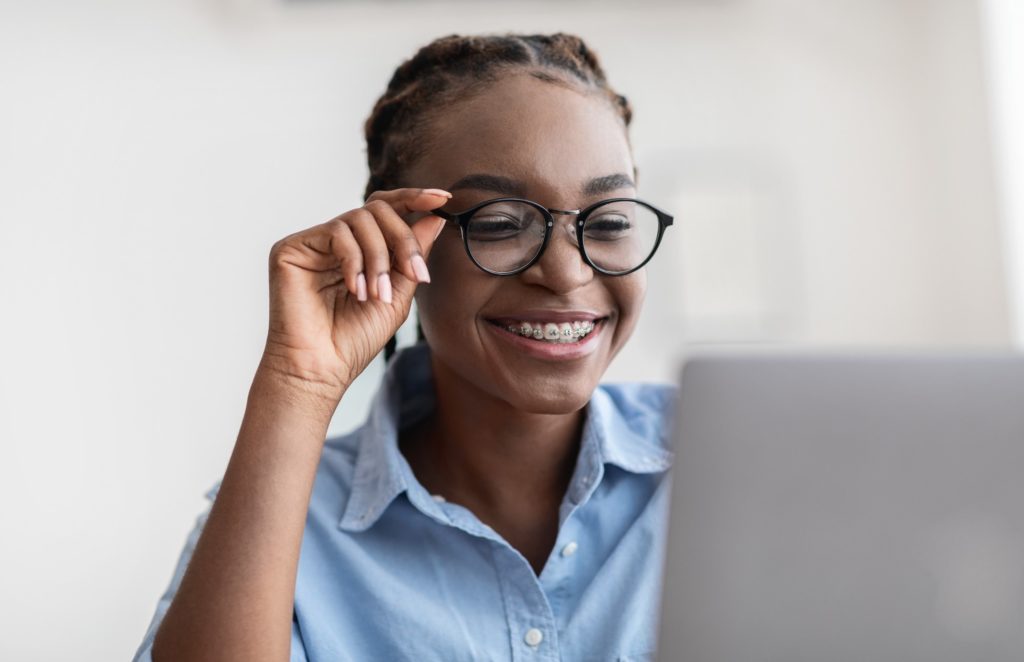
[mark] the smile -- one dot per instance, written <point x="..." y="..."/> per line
<point x="560" y="328"/>
<point x="552" y="332"/>
<point x="550" y="340"/>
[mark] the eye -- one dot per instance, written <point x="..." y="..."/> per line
<point x="607" y="227"/>
<point x="495" y="226"/>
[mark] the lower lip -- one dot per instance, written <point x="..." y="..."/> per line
<point x="549" y="350"/>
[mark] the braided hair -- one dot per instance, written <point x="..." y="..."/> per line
<point x="448" y="68"/>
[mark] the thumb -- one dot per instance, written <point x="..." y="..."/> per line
<point x="427" y="230"/>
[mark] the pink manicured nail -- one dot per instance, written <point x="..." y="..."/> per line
<point x="419" y="267"/>
<point x="361" y="287"/>
<point x="384" y="288"/>
<point x="440" y="227"/>
<point x="438" y="192"/>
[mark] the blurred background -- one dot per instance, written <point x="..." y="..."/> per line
<point x="844" y="173"/>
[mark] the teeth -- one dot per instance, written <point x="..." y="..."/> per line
<point x="564" y="332"/>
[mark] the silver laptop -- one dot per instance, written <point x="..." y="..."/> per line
<point x="843" y="508"/>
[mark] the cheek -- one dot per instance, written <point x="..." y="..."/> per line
<point x="457" y="289"/>
<point x="629" y="293"/>
<point x="447" y="258"/>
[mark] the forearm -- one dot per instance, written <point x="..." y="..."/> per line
<point x="236" y="598"/>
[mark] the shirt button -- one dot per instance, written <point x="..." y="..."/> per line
<point x="438" y="498"/>
<point x="533" y="637"/>
<point x="570" y="549"/>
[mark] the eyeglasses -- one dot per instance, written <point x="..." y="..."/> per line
<point x="506" y="236"/>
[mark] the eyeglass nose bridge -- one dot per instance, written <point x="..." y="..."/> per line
<point x="565" y="212"/>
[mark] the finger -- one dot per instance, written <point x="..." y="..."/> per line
<point x="407" y="200"/>
<point x="376" y="261"/>
<point x="402" y="243"/>
<point x="427" y="231"/>
<point x="343" y="245"/>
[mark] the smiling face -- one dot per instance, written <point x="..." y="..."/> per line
<point x="565" y="149"/>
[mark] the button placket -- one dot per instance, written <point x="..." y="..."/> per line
<point x="528" y="612"/>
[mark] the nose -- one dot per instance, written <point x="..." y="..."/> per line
<point x="561" y="267"/>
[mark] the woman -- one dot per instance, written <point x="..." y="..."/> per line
<point x="498" y="503"/>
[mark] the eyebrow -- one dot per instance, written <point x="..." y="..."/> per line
<point x="511" y="187"/>
<point x="600" y="185"/>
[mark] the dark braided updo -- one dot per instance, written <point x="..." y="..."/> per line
<point x="447" y="69"/>
<point x="450" y="68"/>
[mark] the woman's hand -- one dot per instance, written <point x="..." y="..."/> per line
<point x="341" y="289"/>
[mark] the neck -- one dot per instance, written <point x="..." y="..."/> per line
<point x="482" y="452"/>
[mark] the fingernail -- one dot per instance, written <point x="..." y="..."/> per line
<point x="384" y="288"/>
<point x="440" y="227"/>
<point x="419" y="267"/>
<point x="361" y="287"/>
<point x="438" y="192"/>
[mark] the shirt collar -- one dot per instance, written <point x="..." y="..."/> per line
<point x="381" y="471"/>
<point x="616" y="430"/>
<point x="631" y="431"/>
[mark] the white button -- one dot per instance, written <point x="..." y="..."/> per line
<point x="570" y="549"/>
<point x="438" y="498"/>
<point x="533" y="637"/>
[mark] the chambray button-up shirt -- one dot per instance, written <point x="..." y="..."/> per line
<point x="388" y="571"/>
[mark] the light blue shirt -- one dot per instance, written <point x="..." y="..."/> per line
<point x="388" y="572"/>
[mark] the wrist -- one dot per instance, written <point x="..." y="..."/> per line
<point x="315" y="398"/>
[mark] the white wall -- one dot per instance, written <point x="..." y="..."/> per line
<point x="828" y="163"/>
<point x="1003" y="25"/>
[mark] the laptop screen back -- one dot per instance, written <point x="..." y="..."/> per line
<point x="847" y="508"/>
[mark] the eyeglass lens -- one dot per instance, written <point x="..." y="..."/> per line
<point x="617" y="236"/>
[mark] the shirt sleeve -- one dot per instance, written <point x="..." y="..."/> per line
<point x="144" y="653"/>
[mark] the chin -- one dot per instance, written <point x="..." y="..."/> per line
<point x="552" y="398"/>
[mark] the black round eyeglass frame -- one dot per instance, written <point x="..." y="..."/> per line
<point x="462" y="218"/>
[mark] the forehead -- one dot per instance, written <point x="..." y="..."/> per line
<point x="552" y="138"/>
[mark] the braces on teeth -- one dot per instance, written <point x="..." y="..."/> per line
<point x="552" y="332"/>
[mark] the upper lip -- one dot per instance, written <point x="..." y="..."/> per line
<point x="542" y="315"/>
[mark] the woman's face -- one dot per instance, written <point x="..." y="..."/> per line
<point x="555" y="146"/>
